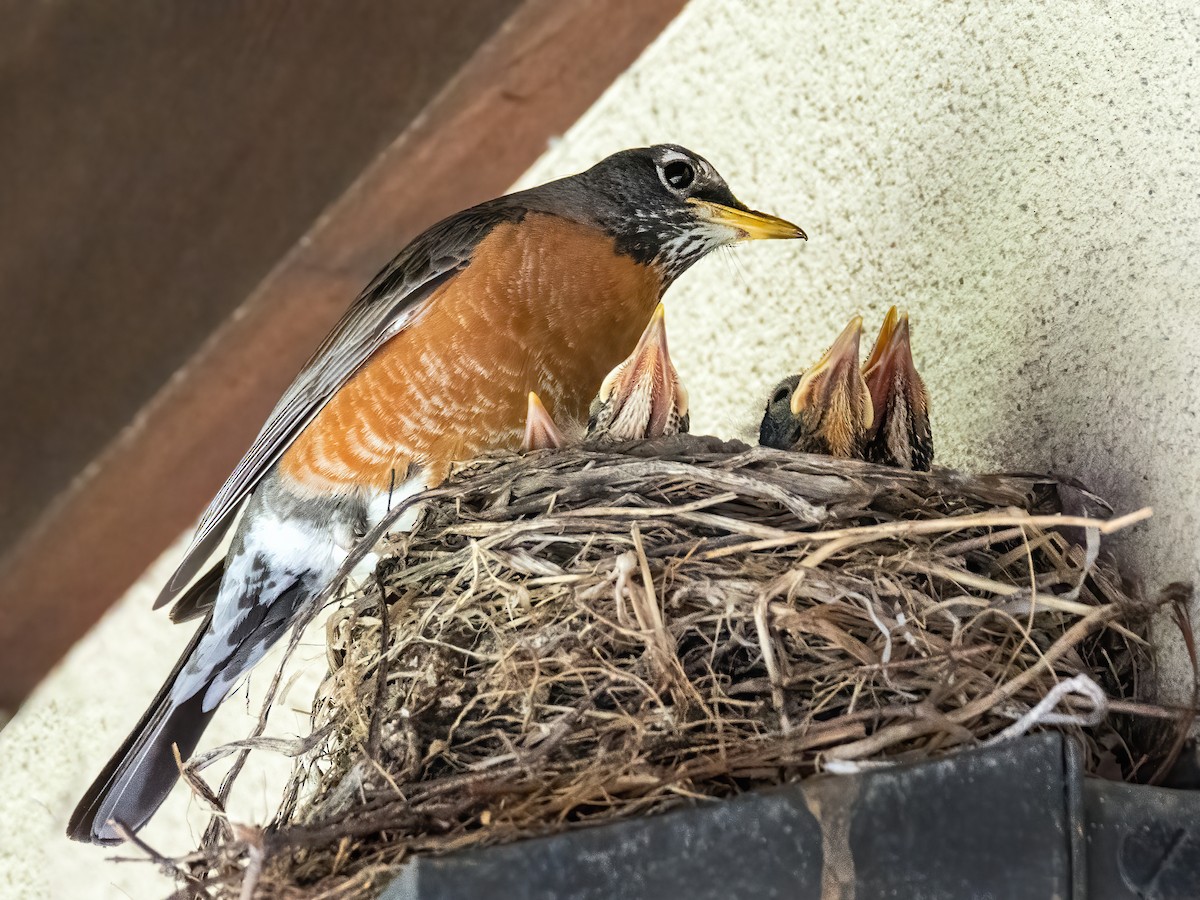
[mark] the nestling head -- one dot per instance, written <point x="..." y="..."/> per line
<point x="826" y="409"/>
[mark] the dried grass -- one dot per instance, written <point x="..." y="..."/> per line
<point x="582" y="636"/>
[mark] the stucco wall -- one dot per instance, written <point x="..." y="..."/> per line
<point x="1024" y="177"/>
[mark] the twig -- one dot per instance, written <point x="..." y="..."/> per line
<point x="375" y="738"/>
<point x="866" y="533"/>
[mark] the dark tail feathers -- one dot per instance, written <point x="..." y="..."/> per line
<point x="142" y="772"/>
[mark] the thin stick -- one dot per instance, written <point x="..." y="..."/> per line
<point x="864" y="533"/>
<point x="375" y="736"/>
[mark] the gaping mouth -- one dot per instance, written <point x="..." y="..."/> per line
<point x="890" y="365"/>
<point x="753" y="226"/>
<point x="834" y="379"/>
<point x="833" y="395"/>
<point x="646" y="386"/>
<point x="882" y="343"/>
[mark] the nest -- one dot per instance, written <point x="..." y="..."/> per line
<point x="580" y="636"/>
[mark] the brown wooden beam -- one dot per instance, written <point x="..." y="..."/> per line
<point x="544" y="67"/>
<point x="157" y="161"/>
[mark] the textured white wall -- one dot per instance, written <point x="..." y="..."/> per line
<point x="1025" y="177"/>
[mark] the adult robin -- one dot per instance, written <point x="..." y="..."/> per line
<point x="827" y="409"/>
<point x="900" y="434"/>
<point x="642" y="397"/>
<point x="544" y="289"/>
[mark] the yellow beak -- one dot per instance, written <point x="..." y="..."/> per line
<point x="754" y="226"/>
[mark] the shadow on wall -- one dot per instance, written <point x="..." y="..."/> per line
<point x="1065" y="214"/>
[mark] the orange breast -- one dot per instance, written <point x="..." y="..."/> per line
<point x="544" y="305"/>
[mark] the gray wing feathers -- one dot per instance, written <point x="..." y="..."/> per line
<point x="393" y="299"/>
<point x="269" y="575"/>
<point x="201" y="596"/>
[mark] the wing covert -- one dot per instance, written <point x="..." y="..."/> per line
<point x="393" y="299"/>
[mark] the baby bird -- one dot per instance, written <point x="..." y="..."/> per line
<point x="541" y="432"/>
<point x="900" y="434"/>
<point x="642" y="397"/>
<point x="826" y="409"/>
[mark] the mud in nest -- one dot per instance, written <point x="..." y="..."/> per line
<point x="575" y="637"/>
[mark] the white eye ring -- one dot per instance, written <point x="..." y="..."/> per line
<point x="677" y="174"/>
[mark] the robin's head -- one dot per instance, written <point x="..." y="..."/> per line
<point x="664" y="206"/>
<point x="900" y="434"/>
<point x="642" y="397"/>
<point x="824" y="410"/>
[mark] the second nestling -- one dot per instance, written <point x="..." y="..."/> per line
<point x="879" y="412"/>
<point x="641" y="399"/>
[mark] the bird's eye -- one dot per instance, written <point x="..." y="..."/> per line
<point x="678" y="174"/>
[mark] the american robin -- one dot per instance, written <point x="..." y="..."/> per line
<point x="900" y="434"/>
<point x="826" y="409"/>
<point x="541" y="431"/>
<point x="642" y="397"/>
<point x="544" y="289"/>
